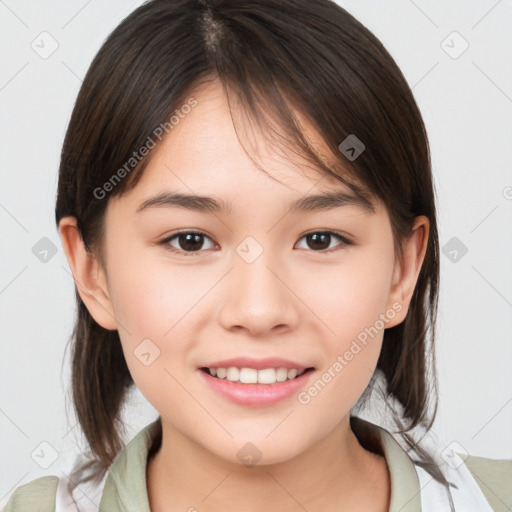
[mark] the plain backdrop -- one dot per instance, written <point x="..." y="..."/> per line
<point x="455" y="55"/>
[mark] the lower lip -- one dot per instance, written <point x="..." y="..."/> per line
<point x="256" y="395"/>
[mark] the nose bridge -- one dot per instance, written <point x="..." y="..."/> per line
<point x="257" y="297"/>
<point x="254" y="276"/>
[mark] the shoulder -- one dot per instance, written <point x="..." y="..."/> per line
<point x="494" y="477"/>
<point x="37" y="495"/>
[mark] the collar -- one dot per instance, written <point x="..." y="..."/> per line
<point x="125" y="487"/>
<point x="405" y="485"/>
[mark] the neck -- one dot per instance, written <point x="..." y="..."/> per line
<point x="336" y="473"/>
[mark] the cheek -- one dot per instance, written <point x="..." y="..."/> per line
<point x="158" y="301"/>
<point x="153" y="305"/>
<point x="350" y="300"/>
<point x="349" y="296"/>
<point x="150" y="296"/>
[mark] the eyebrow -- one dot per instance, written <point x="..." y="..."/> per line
<point x="317" y="202"/>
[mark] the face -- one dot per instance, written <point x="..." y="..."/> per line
<point x="258" y="281"/>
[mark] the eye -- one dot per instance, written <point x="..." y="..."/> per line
<point x="189" y="242"/>
<point x="321" y="240"/>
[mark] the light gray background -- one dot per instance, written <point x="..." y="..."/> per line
<point x="467" y="106"/>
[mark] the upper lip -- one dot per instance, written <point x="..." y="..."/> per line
<point x="257" y="364"/>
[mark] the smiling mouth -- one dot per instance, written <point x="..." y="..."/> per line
<point x="253" y="376"/>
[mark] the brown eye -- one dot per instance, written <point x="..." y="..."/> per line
<point x="321" y="240"/>
<point x="188" y="243"/>
<point x="191" y="243"/>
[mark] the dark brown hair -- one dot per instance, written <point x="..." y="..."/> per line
<point x="270" y="56"/>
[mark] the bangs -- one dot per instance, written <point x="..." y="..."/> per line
<point x="264" y="108"/>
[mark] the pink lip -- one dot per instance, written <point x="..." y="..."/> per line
<point x="257" y="364"/>
<point x="256" y="395"/>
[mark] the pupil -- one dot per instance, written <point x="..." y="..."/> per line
<point x="193" y="241"/>
<point x="316" y="236"/>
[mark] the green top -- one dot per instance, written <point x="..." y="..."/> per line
<point x="125" y="486"/>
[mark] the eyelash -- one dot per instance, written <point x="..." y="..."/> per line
<point x="165" y="242"/>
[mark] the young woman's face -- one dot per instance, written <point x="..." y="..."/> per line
<point x="262" y="281"/>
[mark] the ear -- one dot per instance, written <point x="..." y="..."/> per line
<point x="88" y="273"/>
<point x="406" y="273"/>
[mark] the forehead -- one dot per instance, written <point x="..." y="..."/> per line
<point x="202" y="155"/>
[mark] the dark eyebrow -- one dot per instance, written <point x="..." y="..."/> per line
<point x="318" y="202"/>
<point x="330" y="200"/>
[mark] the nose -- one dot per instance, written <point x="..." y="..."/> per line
<point x="258" y="298"/>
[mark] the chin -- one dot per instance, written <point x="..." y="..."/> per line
<point x="258" y="451"/>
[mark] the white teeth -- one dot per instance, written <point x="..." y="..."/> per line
<point x="253" y="376"/>
<point x="233" y="374"/>
<point x="267" y="376"/>
<point x="281" y="374"/>
<point x="248" y="375"/>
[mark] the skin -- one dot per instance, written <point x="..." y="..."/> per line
<point x="294" y="301"/>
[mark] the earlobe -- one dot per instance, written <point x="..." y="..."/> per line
<point x="88" y="274"/>
<point x="407" y="271"/>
